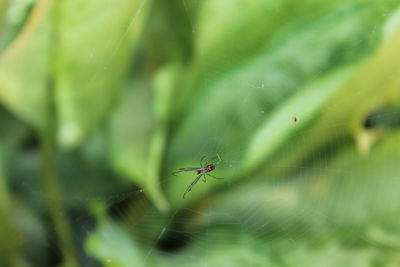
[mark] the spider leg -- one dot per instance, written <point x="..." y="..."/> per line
<point x="184" y="170"/>
<point x="214" y="176"/>
<point x="191" y="185"/>
<point x="204" y="179"/>
<point x="201" y="160"/>
<point x="219" y="159"/>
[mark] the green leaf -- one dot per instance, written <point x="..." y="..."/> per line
<point x="224" y="41"/>
<point x="10" y="238"/>
<point x="280" y="126"/>
<point x="24" y="68"/>
<point x="138" y="147"/>
<point x="131" y="126"/>
<point x="256" y="22"/>
<point x="12" y="17"/>
<point x="331" y="254"/>
<point x="217" y="246"/>
<point x="112" y="245"/>
<point x="393" y="24"/>
<point x="135" y="143"/>
<point x="19" y="222"/>
<point x="221" y="119"/>
<point x="345" y="192"/>
<point x="365" y="92"/>
<point x="86" y="47"/>
<point x="230" y="246"/>
<point x="94" y="51"/>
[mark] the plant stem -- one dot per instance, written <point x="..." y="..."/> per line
<point x="50" y="179"/>
<point x="53" y="198"/>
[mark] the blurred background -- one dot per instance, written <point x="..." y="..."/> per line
<point x="100" y="101"/>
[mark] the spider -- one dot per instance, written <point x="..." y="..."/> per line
<point x="202" y="171"/>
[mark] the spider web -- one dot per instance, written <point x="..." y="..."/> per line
<point x="262" y="207"/>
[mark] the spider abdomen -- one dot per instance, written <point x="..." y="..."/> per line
<point x="201" y="171"/>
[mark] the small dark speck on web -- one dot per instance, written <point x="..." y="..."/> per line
<point x="295" y="119"/>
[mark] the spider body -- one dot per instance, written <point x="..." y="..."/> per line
<point x="202" y="171"/>
<point x="206" y="169"/>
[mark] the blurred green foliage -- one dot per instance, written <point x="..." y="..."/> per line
<point x="101" y="102"/>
